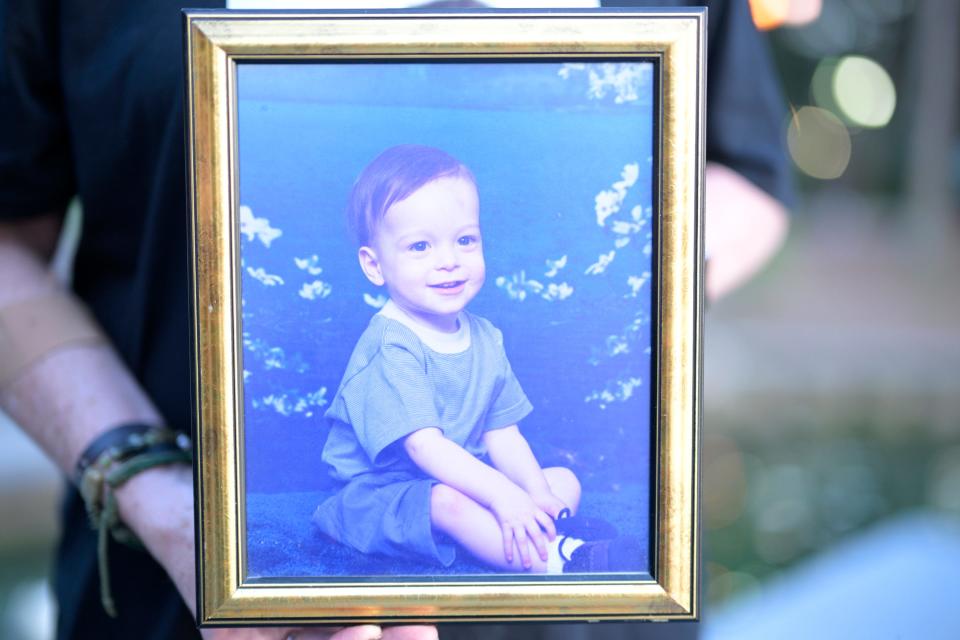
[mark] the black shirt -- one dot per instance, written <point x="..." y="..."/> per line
<point x="91" y="97"/>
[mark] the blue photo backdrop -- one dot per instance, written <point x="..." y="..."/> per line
<point x="563" y="156"/>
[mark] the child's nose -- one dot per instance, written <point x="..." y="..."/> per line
<point x="446" y="258"/>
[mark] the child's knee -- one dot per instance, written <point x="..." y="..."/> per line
<point x="570" y="479"/>
<point x="563" y="482"/>
<point x="447" y="504"/>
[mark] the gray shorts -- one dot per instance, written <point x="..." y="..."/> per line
<point x="386" y="513"/>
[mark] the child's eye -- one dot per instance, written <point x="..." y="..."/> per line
<point x="418" y="246"/>
<point x="466" y="241"/>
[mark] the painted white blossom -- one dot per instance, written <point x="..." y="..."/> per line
<point x="628" y="178"/>
<point x="625" y="229"/>
<point x="618" y="391"/>
<point x="601" y="264"/>
<point x="606" y="203"/>
<point x="624" y="81"/>
<point x="629" y="175"/>
<point x="377" y="302"/>
<point x="636" y="284"/>
<point x="555" y="291"/>
<point x="310" y="265"/>
<point x="617" y="345"/>
<point x="257" y="228"/>
<point x="512" y="291"/>
<point x="568" y="67"/>
<point x="286" y="405"/>
<point x="246" y="375"/>
<point x="271" y="357"/>
<point x="518" y="286"/>
<point x="624" y="342"/>
<point x="268" y="279"/>
<point x="554" y="266"/>
<point x="306" y="404"/>
<point x="274" y="358"/>
<point x="315" y="289"/>
<point x="626" y="388"/>
<point x="622" y="227"/>
<point x="277" y="402"/>
<point x="602" y="397"/>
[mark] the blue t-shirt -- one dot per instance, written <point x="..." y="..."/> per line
<point x="394" y="385"/>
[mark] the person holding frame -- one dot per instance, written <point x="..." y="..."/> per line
<point x="115" y="352"/>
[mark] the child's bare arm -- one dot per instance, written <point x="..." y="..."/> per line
<point x="510" y="453"/>
<point x="519" y="516"/>
<point x="453" y="465"/>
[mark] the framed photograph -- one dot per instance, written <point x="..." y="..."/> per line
<point x="447" y="297"/>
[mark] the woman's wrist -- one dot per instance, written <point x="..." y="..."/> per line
<point x="116" y="456"/>
<point x="158" y="502"/>
<point x="157" y="505"/>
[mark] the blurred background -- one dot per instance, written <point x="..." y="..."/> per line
<point x="832" y="381"/>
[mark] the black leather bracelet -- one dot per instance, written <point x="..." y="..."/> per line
<point x="108" y="462"/>
<point x="122" y="442"/>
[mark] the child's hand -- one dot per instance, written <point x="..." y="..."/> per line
<point x="522" y="522"/>
<point x="549" y="503"/>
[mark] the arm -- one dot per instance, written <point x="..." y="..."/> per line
<point x="453" y="465"/>
<point x="519" y="517"/>
<point x="748" y="183"/>
<point x="510" y="453"/>
<point x="69" y="397"/>
<point x="66" y="399"/>
<point x="61" y="410"/>
<point x="745" y="227"/>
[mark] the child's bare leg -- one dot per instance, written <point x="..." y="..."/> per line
<point x="476" y="529"/>
<point x="564" y="484"/>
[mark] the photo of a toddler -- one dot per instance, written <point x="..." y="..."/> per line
<point x="424" y="427"/>
<point x="476" y="399"/>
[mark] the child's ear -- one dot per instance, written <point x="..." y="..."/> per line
<point x="370" y="265"/>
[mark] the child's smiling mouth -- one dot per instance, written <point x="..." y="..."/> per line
<point x="451" y="286"/>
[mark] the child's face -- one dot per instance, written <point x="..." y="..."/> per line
<point x="428" y="252"/>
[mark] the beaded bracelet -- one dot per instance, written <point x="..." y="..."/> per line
<point x="107" y="463"/>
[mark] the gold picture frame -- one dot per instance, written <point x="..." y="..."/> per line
<point x="217" y="42"/>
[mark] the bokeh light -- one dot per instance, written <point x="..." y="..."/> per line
<point x="887" y="10"/>
<point x="819" y="143"/>
<point x="836" y="31"/>
<point x="769" y="14"/>
<point x="944" y="482"/>
<point x="803" y="12"/>
<point x="728" y="583"/>
<point x="783" y="511"/>
<point x="821" y="84"/>
<point x="864" y="92"/>
<point x="725" y="482"/>
<point x="837" y="27"/>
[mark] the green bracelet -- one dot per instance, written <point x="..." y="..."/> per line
<point x="110" y="469"/>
